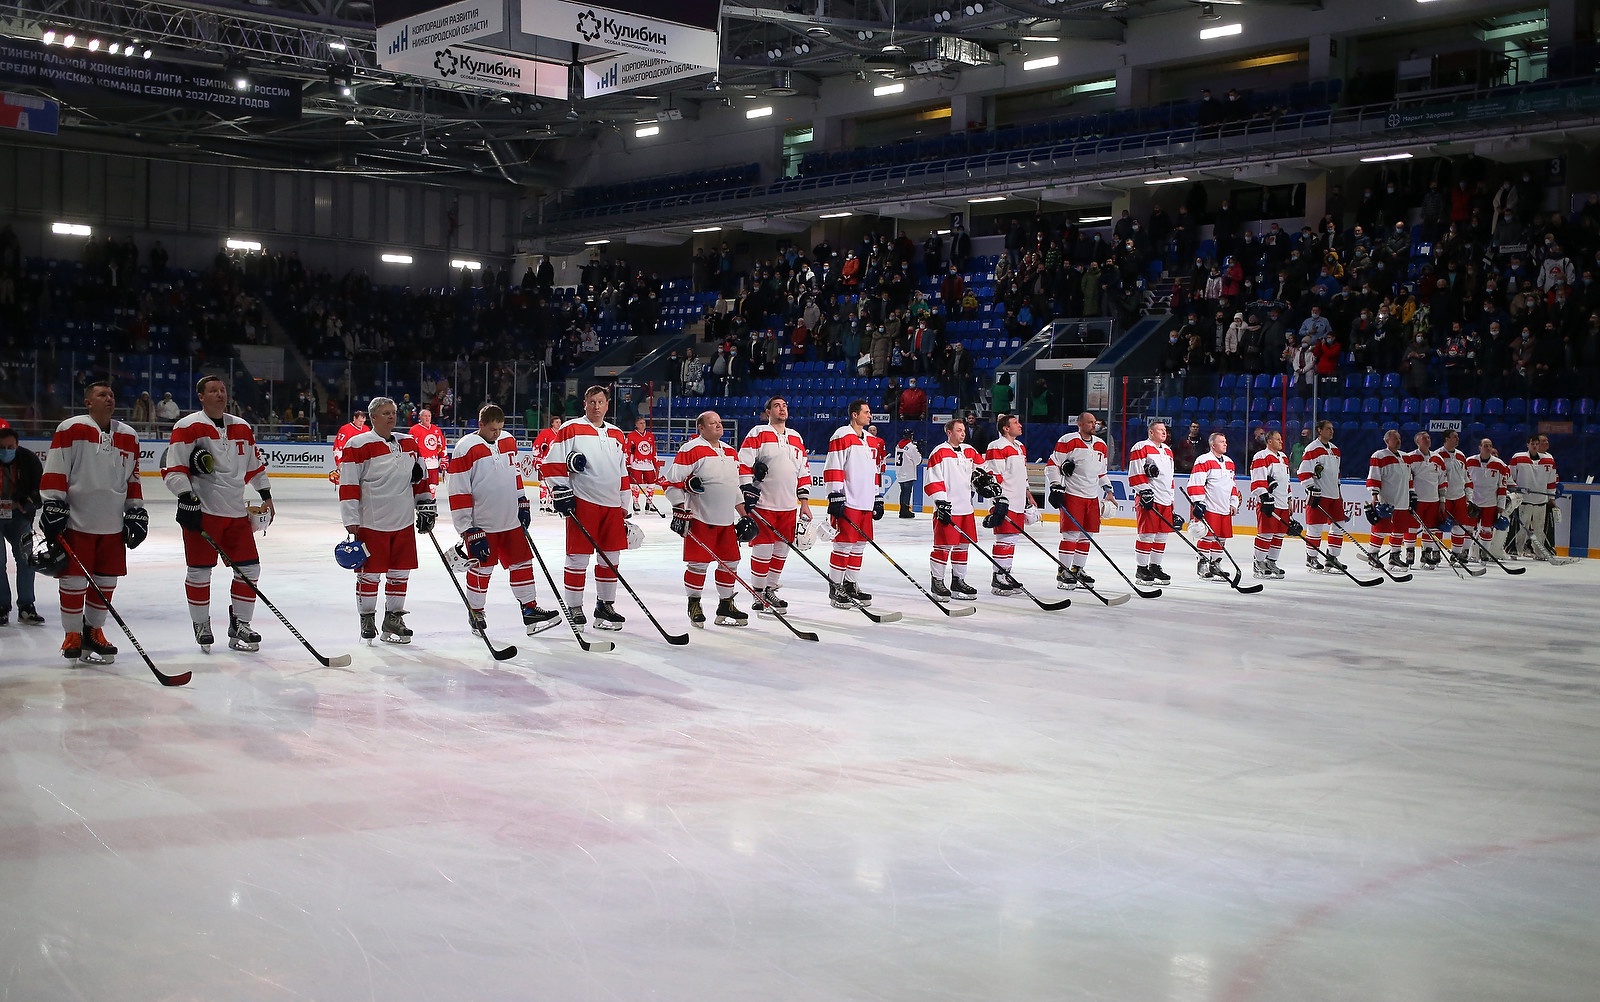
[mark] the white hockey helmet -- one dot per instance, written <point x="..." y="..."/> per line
<point x="821" y="528"/>
<point x="260" y="517"/>
<point x="635" y="533"/>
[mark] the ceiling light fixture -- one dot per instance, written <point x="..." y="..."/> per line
<point x="888" y="89"/>
<point x="762" y="112"/>
<point x="1385" y="158"/>
<point x="460" y="263"/>
<point x="49" y="38"/>
<point x="1177" y="179"/>
<point x="708" y="229"/>
<point x="397" y="259"/>
<point x="236" y="243"/>
<point x="983" y="199"/>
<point x="70" y="229"/>
<point x="596" y="243"/>
<point x="1222" y="30"/>
<point x="836" y="215"/>
<point x="1042" y="63"/>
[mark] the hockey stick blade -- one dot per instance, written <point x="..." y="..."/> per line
<point x="589" y="646"/>
<point x="880" y="617"/>
<point x="674" y="639"/>
<point x="1121" y="599"/>
<point x="171" y="681"/>
<point x="498" y="653"/>
<point x="885" y="617"/>
<point x="337" y="661"/>
<point x="1047" y="606"/>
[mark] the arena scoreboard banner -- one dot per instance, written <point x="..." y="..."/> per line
<point x="623" y="72"/>
<point x="55" y="68"/>
<point x="466" y="64"/>
<point x="27" y="113"/>
<point x="628" y="31"/>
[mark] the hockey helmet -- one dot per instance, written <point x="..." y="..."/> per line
<point x="351" y="554"/>
<point x="823" y="529"/>
<point x="1502" y="523"/>
<point x="459" y="559"/>
<point x="47" y="557"/>
<point x="805" y="533"/>
<point x="260" y="517"/>
<point x="635" y="534"/>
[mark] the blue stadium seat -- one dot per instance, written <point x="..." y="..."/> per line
<point x="1411" y="407"/>
<point x="1452" y="407"/>
<point x="1390" y="407"/>
<point x="1538" y="407"/>
<point x="1261" y="384"/>
<point x="1391" y="383"/>
<point x="1516" y="407"/>
<point x="1431" y="407"/>
<point x="1561" y="407"/>
<point x="1494" y="407"/>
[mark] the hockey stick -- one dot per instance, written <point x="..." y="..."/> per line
<point x="1330" y="558"/>
<point x="500" y="653"/>
<point x="1238" y="572"/>
<point x="164" y="679"/>
<point x="1485" y="551"/>
<point x="1542" y="550"/>
<point x="1108" y="600"/>
<point x="596" y="646"/>
<point x="1439" y="543"/>
<point x="688" y="533"/>
<point x="955" y="613"/>
<point x="1047" y="606"/>
<point x="876" y="617"/>
<point x="337" y="661"/>
<point x="1249" y="589"/>
<point x="675" y="639"/>
<point x="1373" y="559"/>
<point x="1141" y="592"/>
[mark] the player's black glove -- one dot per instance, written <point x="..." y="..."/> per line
<point x="563" y="500"/>
<point x="1152" y="471"/>
<point x="1198" y="508"/>
<point x="1057" y="496"/>
<point x="53" y="519"/>
<point x="985" y="483"/>
<point x="1473" y="511"/>
<point x="427" y="515"/>
<point x="758" y="470"/>
<point x="1313" y="491"/>
<point x="577" y="463"/>
<point x="751" y="493"/>
<point x="836" y="506"/>
<point x="1266" y="505"/>
<point x="201" y="462"/>
<point x="1411" y="501"/>
<point x="997" y="514"/>
<point x="135" y="527"/>
<point x="1295" y="529"/>
<point x="694" y="485"/>
<point x="1147" y="499"/>
<point x="1068" y="465"/>
<point x="525" y="510"/>
<point x="190" y="515"/>
<point x="680" y="520"/>
<point x="418" y="474"/>
<point x="1177" y="522"/>
<point x="746" y="529"/>
<point x="877" y="509"/>
<point x="942" y="513"/>
<point x="477" y="543"/>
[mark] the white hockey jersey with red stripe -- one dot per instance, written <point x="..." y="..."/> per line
<point x="640" y="447"/>
<point x="1089" y="478"/>
<point x="1487" y="480"/>
<point x="1006" y="460"/>
<point x="1160" y="485"/>
<point x="720" y="473"/>
<point x="232" y="445"/>
<point x="851" y="469"/>
<point x="1534" y="474"/>
<point x="1390" y="477"/>
<point x="376" y="489"/>
<point x="604" y="480"/>
<point x="949" y="476"/>
<point x="1269" y="477"/>
<point x="1454" y="465"/>
<point x="788" y="471"/>
<point x="1212" y="480"/>
<point x="95" y="471"/>
<point x="1326" y="459"/>
<point x="1427" y="474"/>
<point x="485" y="484"/>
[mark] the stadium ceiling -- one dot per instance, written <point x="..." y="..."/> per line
<point x="358" y="117"/>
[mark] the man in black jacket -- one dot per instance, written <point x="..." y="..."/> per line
<point x="19" y="499"/>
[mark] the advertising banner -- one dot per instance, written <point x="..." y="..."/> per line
<point x="27" y="113"/>
<point x="465" y="64"/>
<point x="627" y="72"/>
<point x="429" y="30"/>
<point x="614" y="29"/>
<point x="56" y="68"/>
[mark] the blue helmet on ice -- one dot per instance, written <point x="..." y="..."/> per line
<point x="351" y="554"/>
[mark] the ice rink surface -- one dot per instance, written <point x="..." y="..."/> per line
<point x="1316" y="793"/>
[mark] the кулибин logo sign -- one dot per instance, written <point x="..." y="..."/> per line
<point x="592" y="27"/>
<point x="589" y="25"/>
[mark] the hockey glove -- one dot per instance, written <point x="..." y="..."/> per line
<point x="525" y="510"/>
<point x="942" y="513"/>
<point x="680" y="521"/>
<point x="427" y="515"/>
<point x="1294" y="530"/>
<point x="836" y="506"/>
<point x="877" y="509"/>
<point x="1411" y="501"/>
<point x="746" y="529"/>
<point x="985" y="483"/>
<point x="53" y="519"/>
<point x="1197" y="509"/>
<point x="1555" y="513"/>
<point x="1152" y="471"/>
<point x="1316" y="471"/>
<point x="1313" y="491"/>
<point x="1502" y="524"/>
<point x="190" y="515"/>
<point x="1473" y="511"/>
<point x="477" y="543"/>
<point x="1067" y="466"/>
<point x="997" y="514"/>
<point x="1147" y="499"/>
<point x="563" y="501"/>
<point x="1267" y="506"/>
<point x="202" y="462"/>
<point x="751" y="493"/>
<point x="694" y="485"/>
<point x="577" y="462"/>
<point x="135" y="527"/>
<point x="1031" y="515"/>
<point x="1057" y="496"/>
<point x="418" y="474"/>
<point x="758" y="470"/>
<point x="1178" y="523"/>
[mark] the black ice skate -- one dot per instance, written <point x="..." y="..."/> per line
<point x="728" y="614"/>
<point x="369" y="626"/>
<point x="697" y="615"/>
<point x="395" y="630"/>
<point x="241" y="637"/>
<point x="203" y="635"/>
<point x="999" y="584"/>
<point x="940" y="592"/>
<point x="537" y="620"/>
<point x="97" y="650"/>
<point x="1158" y="575"/>
<point x="606" y="617"/>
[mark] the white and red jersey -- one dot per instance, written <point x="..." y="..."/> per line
<point x="604" y="480"/>
<point x="1269" y="478"/>
<point x="1535" y="474"/>
<point x="430" y="444"/>
<point x="788" y="476"/>
<point x="342" y="439"/>
<point x="1089" y="478"/>
<point x="721" y="474"/>
<point x="485" y="484"/>
<point x="232" y="445"/>
<point x="1006" y="460"/>
<point x="1454" y="485"/>
<point x="852" y="469"/>
<point x="640" y="448"/>
<point x="1319" y="465"/>
<point x="378" y="488"/>
<point x="95" y="471"/>
<point x="949" y="476"/>
<point x="1487" y="480"/>
<point x="1166" y="464"/>
<point x="1212" y="480"/>
<point x="1427" y="474"/>
<point x="1390" y="477"/>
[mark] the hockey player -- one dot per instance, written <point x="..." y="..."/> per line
<point x="949" y="487"/>
<point x="93" y="500"/>
<point x="1533" y="490"/>
<point x="1269" y="487"/>
<point x="709" y="488"/>
<point x="1427" y="482"/>
<point x="1080" y="488"/>
<point x="490" y="510"/>
<point x="587" y="473"/>
<point x="1453" y="504"/>
<point x="1389" y="484"/>
<point x="212" y="457"/>
<point x="776" y="458"/>
<point x="429" y="438"/>
<point x="1319" y="472"/>
<point x="1008" y="462"/>
<point x="907" y="457"/>
<point x="355" y="426"/>
<point x="852" y="476"/>
<point x="644" y="466"/>
<point x="1488" y="477"/>
<point x="1213" y="499"/>
<point x="1151" y="465"/>
<point x="541" y="448"/>
<point x="384" y="502"/>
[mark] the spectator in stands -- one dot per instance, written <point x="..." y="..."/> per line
<point x="167" y="411"/>
<point x="933" y="254"/>
<point x="1187" y="449"/>
<point x="952" y="290"/>
<point x="913" y="402"/>
<point x="958" y="374"/>
<point x="882" y="346"/>
<point x="960" y="247"/>
<point x="1328" y="351"/>
<point x="1175" y="353"/>
<point x="144" y="413"/>
<point x="1230" y="341"/>
<point x="1039" y="404"/>
<point x="1000" y="392"/>
<point x="1415" y="366"/>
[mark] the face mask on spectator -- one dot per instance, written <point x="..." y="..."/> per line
<point x="8" y="455"/>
